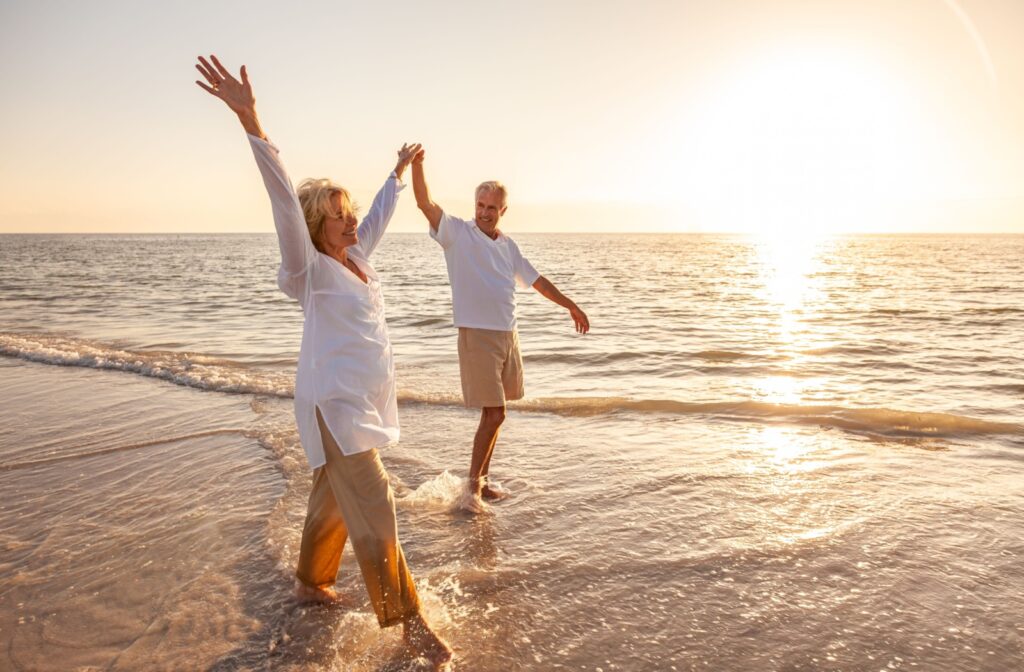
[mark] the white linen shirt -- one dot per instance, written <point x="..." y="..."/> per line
<point x="346" y="367"/>
<point x="483" y="273"/>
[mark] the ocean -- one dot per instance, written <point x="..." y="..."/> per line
<point x="767" y="454"/>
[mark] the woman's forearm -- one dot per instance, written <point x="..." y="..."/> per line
<point x="292" y="233"/>
<point x="377" y="218"/>
<point x="251" y="124"/>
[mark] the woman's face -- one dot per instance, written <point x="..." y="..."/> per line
<point x="340" y="228"/>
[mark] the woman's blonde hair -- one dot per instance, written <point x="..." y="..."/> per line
<point x="315" y="198"/>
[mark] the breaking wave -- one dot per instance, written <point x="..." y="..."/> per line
<point x="221" y="375"/>
<point x="180" y="368"/>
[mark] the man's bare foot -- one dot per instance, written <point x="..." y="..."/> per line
<point x="493" y="492"/>
<point x="424" y="642"/>
<point x="471" y="502"/>
<point x="323" y="595"/>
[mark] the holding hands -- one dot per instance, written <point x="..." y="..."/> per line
<point x="406" y="155"/>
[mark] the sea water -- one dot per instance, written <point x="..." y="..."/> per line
<point x="767" y="454"/>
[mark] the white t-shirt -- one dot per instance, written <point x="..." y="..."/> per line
<point x="483" y="274"/>
<point x="346" y="366"/>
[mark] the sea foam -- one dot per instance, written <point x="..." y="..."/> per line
<point x="227" y="376"/>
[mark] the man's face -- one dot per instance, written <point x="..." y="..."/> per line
<point x="489" y="209"/>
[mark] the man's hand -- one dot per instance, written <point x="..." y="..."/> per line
<point x="580" y="318"/>
<point x="420" y="155"/>
<point x="405" y="157"/>
<point x="547" y="289"/>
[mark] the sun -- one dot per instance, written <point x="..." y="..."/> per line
<point x="804" y="141"/>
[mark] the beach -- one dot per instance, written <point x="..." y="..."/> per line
<point x="798" y="456"/>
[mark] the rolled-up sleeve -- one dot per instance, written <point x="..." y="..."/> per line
<point x="376" y="221"/>
<point x="297" y="251"/>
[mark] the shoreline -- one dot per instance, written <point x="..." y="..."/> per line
<point x="767" y="541"/>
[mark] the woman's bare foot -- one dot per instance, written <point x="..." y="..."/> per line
<point x="323" y="595"/>
<point x="424" y="642"/>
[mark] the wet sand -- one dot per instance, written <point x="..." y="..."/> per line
<point x="158" y="529"/>
<point x="150" y="526"/>
<point x="127" y="510"/>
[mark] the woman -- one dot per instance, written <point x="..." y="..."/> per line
<point x="345" y="404"/>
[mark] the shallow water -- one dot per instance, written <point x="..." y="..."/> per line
<point x="762" y="457"/>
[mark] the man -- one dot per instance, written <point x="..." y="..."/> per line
<point x="484" y="268"/>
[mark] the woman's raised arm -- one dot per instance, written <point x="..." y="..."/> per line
<point x="297" y="249"/>
<point x="376" y="220"/>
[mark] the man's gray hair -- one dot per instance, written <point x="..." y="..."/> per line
<point x="495" y="186"/>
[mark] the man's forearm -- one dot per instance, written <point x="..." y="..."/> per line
<point x="546" y="289"/>
<point x="430" y="210"/>
<point x="550" y="292"/>
<point x="419" y="187"/>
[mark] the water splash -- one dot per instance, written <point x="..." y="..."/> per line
<point x="445" y="492"/>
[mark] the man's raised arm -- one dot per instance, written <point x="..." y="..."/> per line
<point x="432" y="211"/>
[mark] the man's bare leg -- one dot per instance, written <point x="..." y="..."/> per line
<point x="486" y="490"/>
<point x="491" y="418"/>
<point x="420" y="638"/>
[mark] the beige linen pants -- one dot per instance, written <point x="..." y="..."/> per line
<point x="351" y="498"/>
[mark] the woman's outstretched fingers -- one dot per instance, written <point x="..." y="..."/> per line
<point x="209" y="80"/>
<point x="237" y="95"/>
<point x="220" y="68"/>
<point x="208" y="71"/>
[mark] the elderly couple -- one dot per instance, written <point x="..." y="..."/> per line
<point x="345" y="403"/>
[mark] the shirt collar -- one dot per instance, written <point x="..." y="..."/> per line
<point x="477" y="228"/>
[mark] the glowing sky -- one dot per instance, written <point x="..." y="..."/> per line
<point x="721" y="115"/>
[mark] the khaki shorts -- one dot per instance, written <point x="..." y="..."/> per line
<point x="491" y="367"/>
